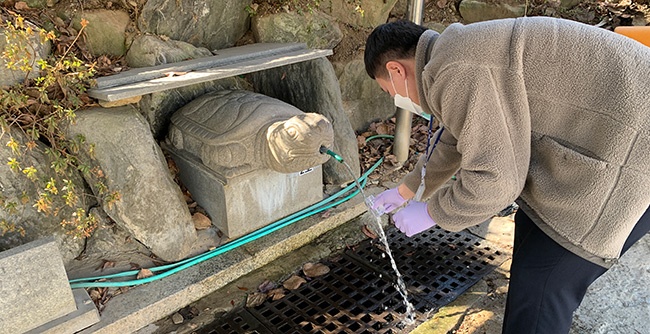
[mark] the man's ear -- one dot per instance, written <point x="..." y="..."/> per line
<point x="396" y="69"/>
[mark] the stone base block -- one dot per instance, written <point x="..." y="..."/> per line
<point x="35" y="295"/>
<point x="84" y="316"/>
<point x="34" y="287"/>
<point x="242" y="204"/>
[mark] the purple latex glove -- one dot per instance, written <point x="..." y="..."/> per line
<point x="388" y="201"/>
<point x="413" y="219"/>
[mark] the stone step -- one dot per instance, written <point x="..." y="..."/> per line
<point x="226" y="63"/>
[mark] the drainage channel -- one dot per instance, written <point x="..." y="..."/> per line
<point x="358" y="295"/>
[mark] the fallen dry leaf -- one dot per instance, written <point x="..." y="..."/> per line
<point x="105" y="265"/>
<point x="294" y="282"/>
<point x="266" y="286"/>
<point x="144" y="273"/>
<point x="374" y="176"/>
<point x="95" y="295"/>
<point x="361" y="141"/>
<point x="382" y="129"/>
<point x="255" y="299"/>
<point x="21" y="5"/>
<point x="276" y="294"/>
<point x="58" y="22"/>
<point x="201" y="221"/>
<point x="326" y="214"/>
<point x="380" y="246"/>
<point x="368" y="232"/>
<point x="315" y="269"/>
<point x="242" y="288"/>
<point x="106" y="297"/>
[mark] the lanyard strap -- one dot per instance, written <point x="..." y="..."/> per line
<point x="435" y="142"/>
<point x="428" y="151"/>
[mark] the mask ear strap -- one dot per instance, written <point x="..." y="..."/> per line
<point x="392" y="83"/>
<point x="406" y="83"/>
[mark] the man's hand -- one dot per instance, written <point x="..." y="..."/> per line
<point x="388" y="201"/>
<point x="413" y="219"/>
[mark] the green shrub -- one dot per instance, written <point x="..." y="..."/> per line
<point x="41" y="108"/>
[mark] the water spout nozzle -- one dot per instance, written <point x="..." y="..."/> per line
<point x="325" y="150"/>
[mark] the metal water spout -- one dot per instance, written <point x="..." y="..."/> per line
<point x="325" y="150"/>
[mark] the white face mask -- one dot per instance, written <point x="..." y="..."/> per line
<point x="406" y="103"/>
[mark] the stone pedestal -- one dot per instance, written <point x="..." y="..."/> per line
<point x="35" y="296"/>
<point x="241" y="204"/>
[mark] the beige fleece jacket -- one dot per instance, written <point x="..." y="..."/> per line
<point x="548" y="111"/>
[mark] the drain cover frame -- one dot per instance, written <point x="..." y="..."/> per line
<point x="358" y="295"/>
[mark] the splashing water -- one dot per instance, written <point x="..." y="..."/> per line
<point x="401" y="286"/>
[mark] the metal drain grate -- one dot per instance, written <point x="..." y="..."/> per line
<point x="350" y="299"/>
<point x="358" y="295"/>
<point x="437" y="265"/>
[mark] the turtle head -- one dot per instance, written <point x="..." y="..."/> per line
<point x="295" y="143"/>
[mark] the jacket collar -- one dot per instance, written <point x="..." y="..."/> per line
<point x="423" y="54"/>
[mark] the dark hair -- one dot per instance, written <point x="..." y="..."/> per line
<point x="389" y="41"/>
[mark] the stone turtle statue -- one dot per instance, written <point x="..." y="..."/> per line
<point x="235" y="132"/>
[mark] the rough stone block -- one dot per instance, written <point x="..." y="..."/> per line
<point x="34" y="287"/>
<point x="151" y="208"/>
<point x="247" y="202"/>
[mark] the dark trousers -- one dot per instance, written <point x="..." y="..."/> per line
<point x="548" y="282"/>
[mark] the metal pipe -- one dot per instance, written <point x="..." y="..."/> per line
<point x="404" y="118"/>
<point x="416" y="10"/>
<point x="401" y="145"/>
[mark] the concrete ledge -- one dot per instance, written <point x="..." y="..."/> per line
<point x="144" y="304"/>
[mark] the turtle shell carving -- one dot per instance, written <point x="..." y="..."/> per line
<point x="235" y="132"/>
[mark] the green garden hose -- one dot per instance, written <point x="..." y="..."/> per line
<point x="169" y="269"/>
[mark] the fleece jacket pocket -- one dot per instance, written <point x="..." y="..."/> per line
<point x="566" y="187"/>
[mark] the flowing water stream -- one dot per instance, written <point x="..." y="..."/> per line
<point x="401" y="286"/>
